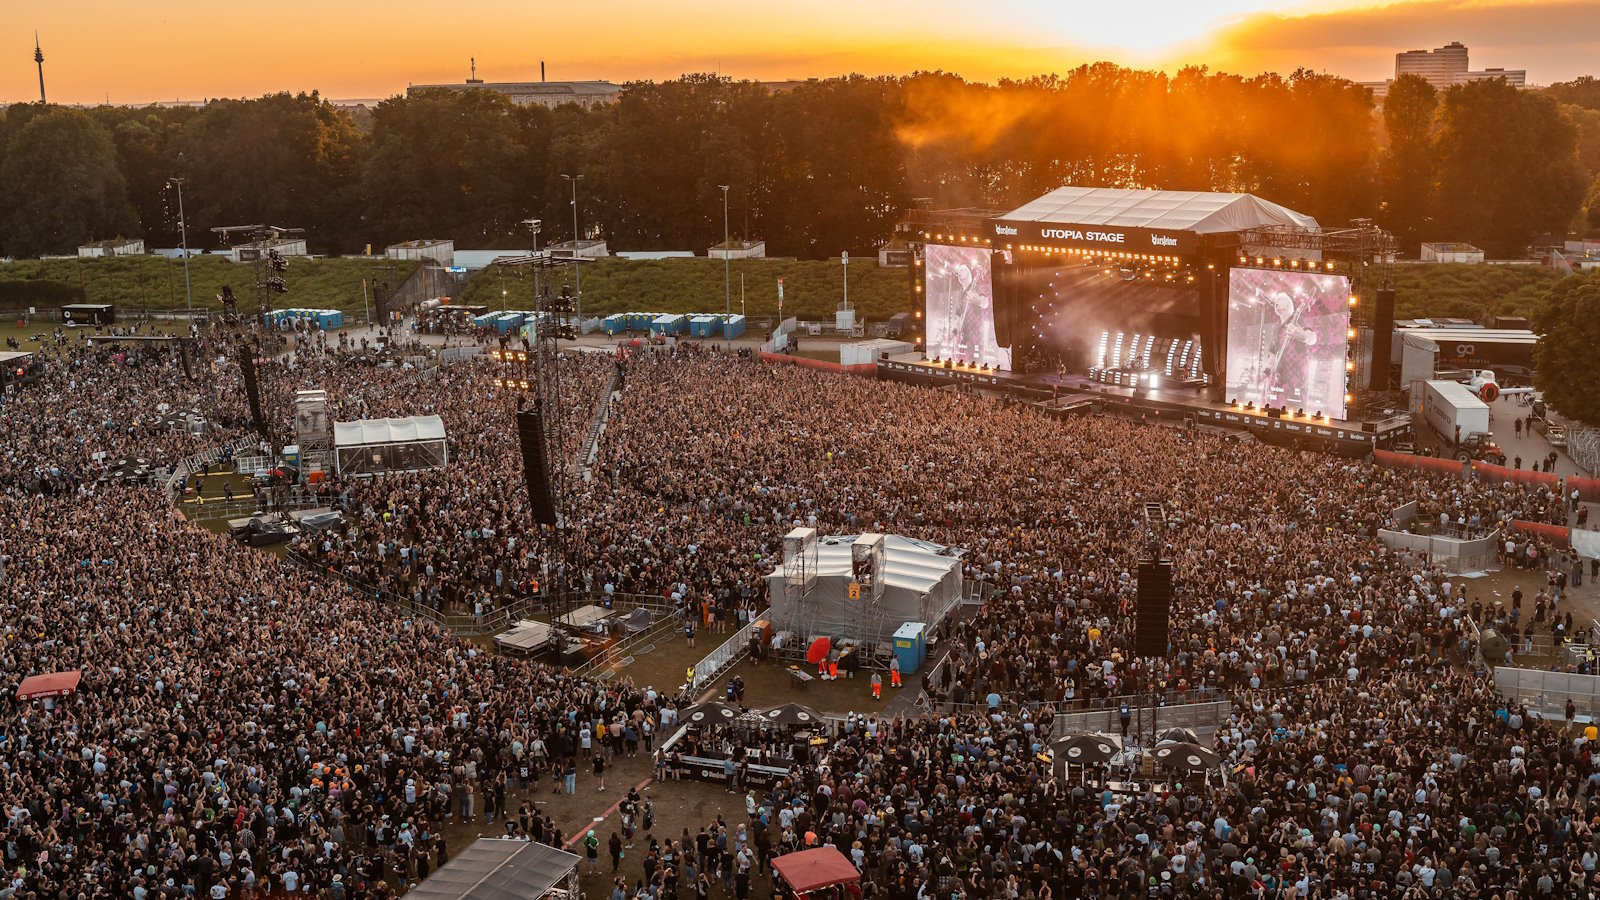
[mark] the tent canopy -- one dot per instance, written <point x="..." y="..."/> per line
<point x="55" y="684"/>
<point x="1196" y="211"/>
<point x="375" y="432"/>
<point x="812" y="870"/>
<point x="498" y="869"/>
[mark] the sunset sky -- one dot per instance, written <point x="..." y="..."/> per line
<point x="97" y="50"/>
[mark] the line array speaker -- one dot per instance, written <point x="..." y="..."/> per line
<point x="530" y="430"/>
<point x="1382" y="338"/>
<point x="247" y="368"/>
<point x="1153" y="611"/>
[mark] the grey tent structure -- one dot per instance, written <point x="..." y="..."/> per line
<point x="921" y="582"/>
<point x="501" y="869"/>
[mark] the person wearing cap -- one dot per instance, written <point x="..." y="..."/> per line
<point x="591" y="850"/>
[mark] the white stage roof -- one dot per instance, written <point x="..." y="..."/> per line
<point x="1196" y="211"/>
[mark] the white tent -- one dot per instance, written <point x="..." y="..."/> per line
<point x="1196" y="211"/>
<point x="921" y="583"/>
<point x="370" y="446"/>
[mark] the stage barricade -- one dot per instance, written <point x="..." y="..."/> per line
<point x="1391" y="460"/>
<point x="1559" y="534"/>
<point x="1206" y="716"/>
<point x="867" y="369"/>
<point x="1491" y="472"/>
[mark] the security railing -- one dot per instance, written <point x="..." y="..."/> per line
<point x="730" y="652"/>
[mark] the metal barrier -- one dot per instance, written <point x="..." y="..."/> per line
<point x="1142" y="719"/>
<point x="731" y="651"/>
<point x="659" y="632"/>
<point x="197" y="461"/>
<point x="1583" y="445"/>
<point x="1546" y="693"/>
<point x="212" y="510"/>
<point x="1455" y="554"/>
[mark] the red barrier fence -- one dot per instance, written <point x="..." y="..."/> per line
<point x="1391" y="460"/>
<point x="868" y="369"/>
<point x="1518" y="476"/>
<point x="1588" y="488"/>
<point x="1560" y="535"/>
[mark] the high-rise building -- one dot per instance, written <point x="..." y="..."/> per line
<point x="1440" y="67"/>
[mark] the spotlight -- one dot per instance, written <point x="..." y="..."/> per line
<point x="1352" y="299"/>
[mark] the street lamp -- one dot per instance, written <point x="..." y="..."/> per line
<point x="183" y="227"/>
<point x="577" y="267"/>
<point x="727" y="292"/>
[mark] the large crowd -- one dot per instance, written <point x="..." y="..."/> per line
<point x="247" y="726"/>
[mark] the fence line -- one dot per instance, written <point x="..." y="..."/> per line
<point x="726" y="655"/>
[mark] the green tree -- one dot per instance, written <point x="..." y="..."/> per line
<point x="1591" y="208"/>
<point x="1566" y="368"/>
<point x="60" y="186"/>
<point x="1583" y="91"/>
<point x="283" y="159"/>
<point x="1508" y="167"/>
<point x="1408" y="115"/>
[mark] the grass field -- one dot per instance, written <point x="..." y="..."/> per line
<point x="156" y="283"/>
<point x="811" y="289"/>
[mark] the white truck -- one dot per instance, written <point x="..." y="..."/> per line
<point x="1461" y="420"/>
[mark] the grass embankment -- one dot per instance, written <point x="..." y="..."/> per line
<point x="156" y="283"/>
<point x="1470" y="292"/>
<point x="811" y="288"/>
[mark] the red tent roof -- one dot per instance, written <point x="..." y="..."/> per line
<point x="55" y="684"/>
<point x="811" y="870"/>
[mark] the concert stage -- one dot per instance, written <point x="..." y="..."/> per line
<point x="1077" y="394"/>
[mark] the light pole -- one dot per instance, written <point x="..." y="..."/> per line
<point x="183" y="227"/>
<point x="534" y="225"/>
<point x="727" y="291"/>
<point x="577" y="267"/>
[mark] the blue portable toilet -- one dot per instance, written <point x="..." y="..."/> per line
<point x="909" y="646"/>
<point x="732" y="326"/>
<point x="702" y="326"/>
<point x="330" y="319"/>
<point x="614" y="324"/>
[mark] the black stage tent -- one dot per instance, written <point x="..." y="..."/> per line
<point x="499" y="869"/>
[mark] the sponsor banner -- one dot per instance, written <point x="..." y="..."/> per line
<point x="1100" y="238"/>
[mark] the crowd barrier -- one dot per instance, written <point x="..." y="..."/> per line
<point x="1560" y="535"/>
<point x="1455" y="554"/>
<point x="1391" y="460"/>
<point x="867" y="369"/>
<point x="1545" y="694"/>
<point x="1517" y="476"/>
<point x="1588" y="488"/>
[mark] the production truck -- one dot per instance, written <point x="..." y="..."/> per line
<point x="1461" y="420"/>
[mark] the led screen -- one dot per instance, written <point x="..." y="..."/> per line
<point x="960" y="312"/>
<point x="1287" y="333"/>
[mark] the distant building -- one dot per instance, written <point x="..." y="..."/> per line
<point x="586" y="250"/>
<point x="1451" y="252"/>
<point x="113" y="247"/>
<point x="1438" y="67"/>
<point x="286" y="246"/>
<point x="1380" y="89"/>
<point x="1513" y="77"/>
<point x="440" y="251"/>
<point x="648" y="255"/>
<point x="739" y="250"/>
<point x="549" y="94"/>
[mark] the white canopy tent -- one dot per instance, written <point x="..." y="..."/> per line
<point x="1197" y="211"/>
<point x="922" y="582"/>
<point x="371" y="446"/>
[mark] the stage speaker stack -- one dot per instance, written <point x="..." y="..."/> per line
<point x="1153" y="611"/>
<point x="1003" y="282"/>
<point x="247" y="369"/>
<point x="535" y="468"/>
<point x="1382" y="338"/>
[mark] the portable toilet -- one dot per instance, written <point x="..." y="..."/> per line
<point x="615" y="324"/>
<point x="291" y="454"/>
<point x="702" y="326"/>
<point x="732" y="326"/>
<point x="331" y="319"/>
<point x="638" y="321"/>
<point x="909" y="646"/>
<point x="670" y="324"/>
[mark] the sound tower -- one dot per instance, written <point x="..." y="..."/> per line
<point x="247" y="368"/>
<point x="530" y="431"/>
<point x="1152" y="612"/>
<point x="1003" y="284"/>
<point x="1382" y="338"/>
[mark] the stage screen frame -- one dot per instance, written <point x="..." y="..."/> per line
<point x="959" y="306"/>
<point x="1301" y="321"/>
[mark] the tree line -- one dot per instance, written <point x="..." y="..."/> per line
<point x="826" y="166"/>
